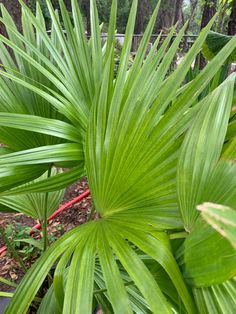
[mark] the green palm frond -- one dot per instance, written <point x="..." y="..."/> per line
<point x="33" y="205"/>
<point x="221" y="218"/>
<point x="202" y="149"/>
<point x="210" y="300"/>
<point x="206" y="257"/>
<point x="150" y="150"/>
<point x="214" y="43"/>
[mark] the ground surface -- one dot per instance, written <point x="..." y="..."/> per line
<point x="68" y="219"/>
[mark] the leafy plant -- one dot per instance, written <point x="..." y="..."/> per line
<point x="221" y="218"/>
<point x="214" y="43"/>
<point x="151" y="150"/>
<point x="26" y="247"/>
<point x="37" y="205"/>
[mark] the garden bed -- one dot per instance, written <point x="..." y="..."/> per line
<point x="75" y="215"/>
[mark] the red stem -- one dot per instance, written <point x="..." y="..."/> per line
<point x="55" y="214"/>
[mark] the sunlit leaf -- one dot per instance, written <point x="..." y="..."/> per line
<point x="221" y="218"/>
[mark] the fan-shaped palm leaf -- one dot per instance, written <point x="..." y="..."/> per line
<point x="131" y="130"/>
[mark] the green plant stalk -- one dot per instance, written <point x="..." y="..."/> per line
<point x="6" y="294"/>
<point x="12" y="250"/>
<point x="178" y="235"/>
<point x="90" y="215"/>
<point x="11" y="294"/>
<point x="45" y="220"/>
<point x="7" y="282"/>
<point x="129" y="283"/>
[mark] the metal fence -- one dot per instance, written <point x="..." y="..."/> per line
<point x="186" y="43"/>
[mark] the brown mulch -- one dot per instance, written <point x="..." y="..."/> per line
<point x="77" y="213"/>
<point x="73" y="216"/>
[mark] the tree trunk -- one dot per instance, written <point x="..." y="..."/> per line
<point x="68" y="4"/>
<point x="222" y="14"/>
<point x="232" y="20"/>
<point x="193" y="6"/>
<point x="139" y="19"/>
<point x="165" y="17"/>
<point x="178" y="17"/>
<point x="209" y="11"/>
<point x="14" y="8"/>
<point x="143" y="12"/>
<point x="85" y="7"/>
<point x="87" y="13"/>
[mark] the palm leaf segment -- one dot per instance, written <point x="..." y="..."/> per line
<point x="214" y="43"/>
<point x="34" y="204"/>
<point x="129" y="132"/>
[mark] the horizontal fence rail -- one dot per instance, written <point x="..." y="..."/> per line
<point x="186" y="43"/>
<point x="187" y="40"/>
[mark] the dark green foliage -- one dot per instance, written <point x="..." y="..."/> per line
<point x="22" y="242"/>
<point x="103" y="6"/>
<point x="214" y="43"/>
